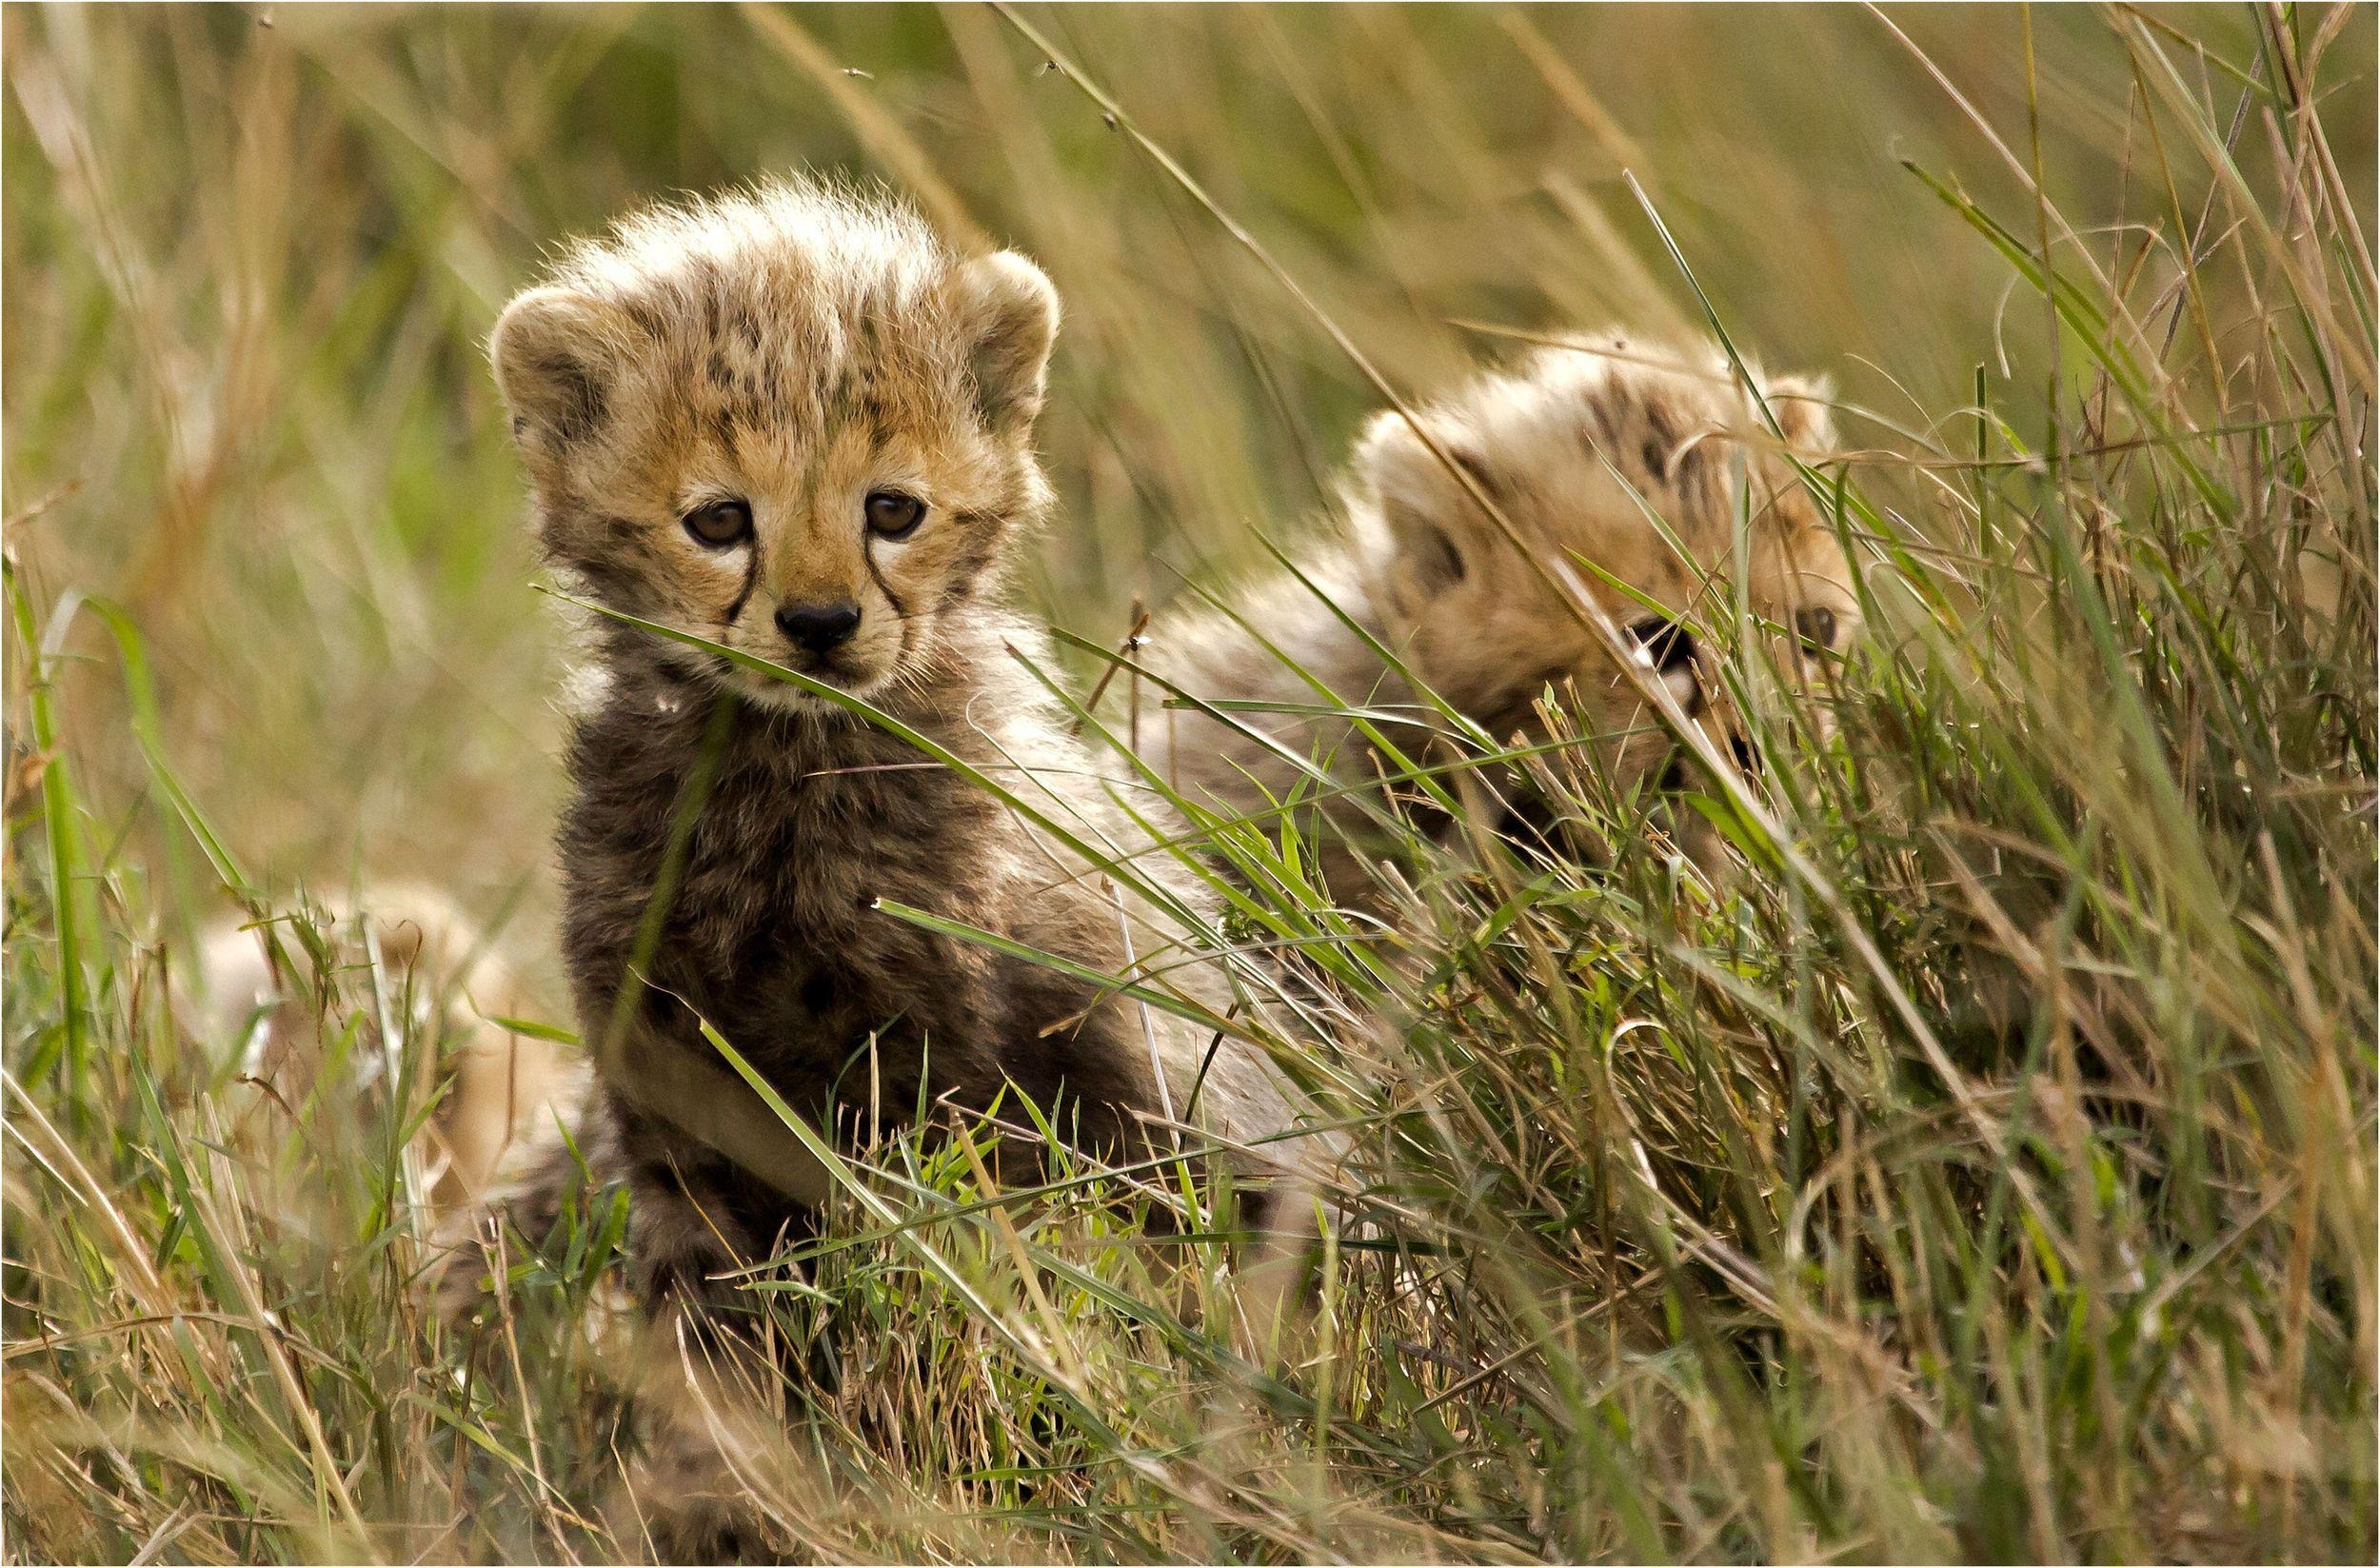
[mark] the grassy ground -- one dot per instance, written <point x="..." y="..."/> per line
<point x="1987" y="1170"/>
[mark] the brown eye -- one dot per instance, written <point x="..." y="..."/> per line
<point x="1817" y="625"/>
<point x="721" y="523"/>
<point x="892" y="515"/>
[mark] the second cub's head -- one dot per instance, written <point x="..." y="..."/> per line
<point x="793" y="422"/>
<point x="1644" y="465"/>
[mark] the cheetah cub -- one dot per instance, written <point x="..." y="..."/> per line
<point x="489" y="1091"/>
<point x="1637" y="461"/>
<point x="793" y="422"/>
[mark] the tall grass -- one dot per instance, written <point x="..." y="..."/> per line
<point x="1985" y="1167"/>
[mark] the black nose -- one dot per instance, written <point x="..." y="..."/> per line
<point x="1670" y="645"/>
<point x="818" y="627"/>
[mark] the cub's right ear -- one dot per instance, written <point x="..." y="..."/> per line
<point x="556" y="351"/>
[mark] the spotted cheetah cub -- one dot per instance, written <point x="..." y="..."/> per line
<point x="794" y="423"/>
<point x="1637" y="461"/>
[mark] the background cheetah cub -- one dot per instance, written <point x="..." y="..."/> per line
<point x="483" y="1091"/>
<point x="795" y="423"/>
<point x="1635" y="460"/>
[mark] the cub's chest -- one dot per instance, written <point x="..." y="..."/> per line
<point x="787" y="851"/>
<point x="816" y="846"/>
<point x="776" y="927"/>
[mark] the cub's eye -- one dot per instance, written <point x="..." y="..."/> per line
<point x="721" y="523"/>
<point x="1817" y="625"/>
<point x="892" y="515"/>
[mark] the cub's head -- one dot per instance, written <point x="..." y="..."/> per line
<point x="1640" y="462"/>
<point x="791" y="421"/>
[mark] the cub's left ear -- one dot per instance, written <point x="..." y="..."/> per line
<point x="1008" y="313"/>
<point x="1804" y="407"/>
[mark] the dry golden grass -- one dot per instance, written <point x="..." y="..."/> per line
<point x="1987" y="1171"/>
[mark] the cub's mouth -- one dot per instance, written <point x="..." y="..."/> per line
<point x="776" y="691"/>
<point x="863" y="668"/>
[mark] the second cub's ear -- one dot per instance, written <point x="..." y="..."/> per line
<point x="556" y="352"/>
<point x="1008" y="313"/>
<point x="1804" y="407"/>
<point x="1437" y="525"/>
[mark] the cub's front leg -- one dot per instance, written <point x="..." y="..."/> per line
<point x="711" y="1483"/>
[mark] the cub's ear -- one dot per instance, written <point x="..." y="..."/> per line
<point x="1438" y="528"/>
<point x="556" y="352"/>
<point x="1804" y="407"/>
<point x="1008" y="314"/>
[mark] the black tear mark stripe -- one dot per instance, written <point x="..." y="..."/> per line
<point x="867" y="553"/>
<point x="751" y="577"/>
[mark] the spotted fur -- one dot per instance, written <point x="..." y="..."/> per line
<point x="798" y="348"/>
<point x="1581" y="446"/>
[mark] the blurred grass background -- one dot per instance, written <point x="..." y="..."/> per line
<point x="252" y="255"/>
